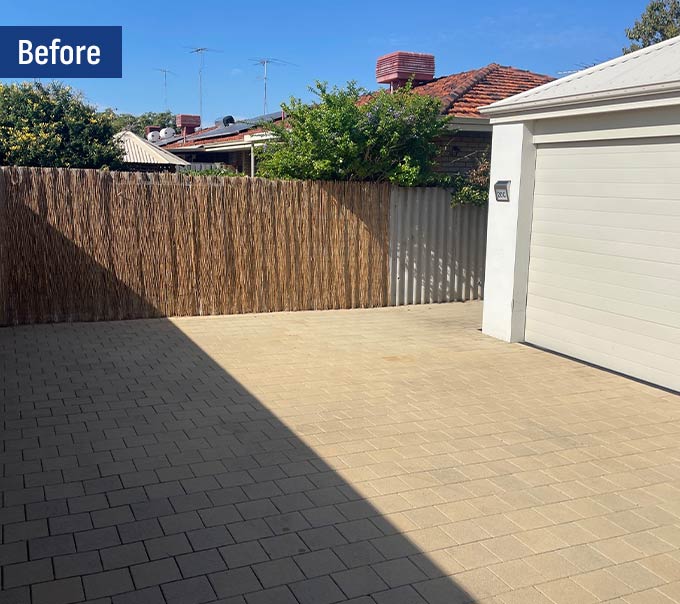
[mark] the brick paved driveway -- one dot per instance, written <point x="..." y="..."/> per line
<point x="390" y="456"/>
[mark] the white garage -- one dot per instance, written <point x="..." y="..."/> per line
<point x="584" y="258"/>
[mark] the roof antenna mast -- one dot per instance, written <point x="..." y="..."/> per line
<point x="165" y="73"/>
<point x="200" y="51"/>
<point x="265" y="61"/>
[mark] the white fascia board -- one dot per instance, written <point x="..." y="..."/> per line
<point x="641" y="98"/>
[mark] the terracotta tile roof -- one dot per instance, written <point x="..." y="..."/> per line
<point x="463" y="93"/>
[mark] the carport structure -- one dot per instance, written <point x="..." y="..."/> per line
<point x="584" y="259"/>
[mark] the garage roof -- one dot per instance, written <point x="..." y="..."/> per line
<point x="643" y="74"/>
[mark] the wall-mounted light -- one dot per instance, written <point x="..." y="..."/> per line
<point x="502" y="190"/>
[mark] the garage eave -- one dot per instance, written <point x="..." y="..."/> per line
<point x="642" y="97"/>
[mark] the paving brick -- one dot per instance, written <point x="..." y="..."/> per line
<point x="97" y="539"/>
<point x="61" y="591"/>
<point x="72" y="565"/>
<point x="200" y="563"/>
<point x="112" y="516"/>
<point x="189" y="591"/>
<point x="17" y="595"/>
<point x="70" y="523"/>
<point x="278" y="572"/>
<point x="202" y="483"/>
<point x="234" y="582"/>
<point x="193" y="501"/>
<point x="123" y="555"/>
<point x="46" y="509"/>
<point x="399" y="572"/>
<point x="321" y="590"/>
<point x="219" y="515"/>
<point x="322" y="562"/>
<point x="139" y="530"/>
<point x="284" y="545"/>
<point x="206" y="538"/>
<point x="46" y="547"/>
<point x="152" y="509"/>
<point x="275" y="595"/>
<point x="178" y="523"/>
<point x="23" y="531"/>
<point x="107" y="583"/>
<point x="127" y="496"/>
<point x="150" y="595"/>
<point x="23" y="496"/>
<point x="164" y="490"/>
<point x="87" y="503"/>
<point x="259" y="508"/>
<point x="359" y="581"/>
<point x="11" y="553"/>
<point x="155" y="573"/>
<point x="25" y="573"/>
<point x="172" y="545"/>
<point x="62" y="491"/>
<point x="243" y="554"/>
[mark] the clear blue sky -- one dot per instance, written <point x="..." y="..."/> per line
<point x="332" y="41"/>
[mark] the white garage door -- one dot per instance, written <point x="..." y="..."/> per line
<point x="604" y="270"/>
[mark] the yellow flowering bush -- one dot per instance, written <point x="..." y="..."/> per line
<point x="52" y="125"/>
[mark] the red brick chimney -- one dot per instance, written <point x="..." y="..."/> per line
<point x="187" y="123"/>
<point x="397" y="68"/>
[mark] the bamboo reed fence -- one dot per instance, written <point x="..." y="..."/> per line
<point x="84" y="245"/>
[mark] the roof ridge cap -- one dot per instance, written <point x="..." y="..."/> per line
<point x="473" y="79"/>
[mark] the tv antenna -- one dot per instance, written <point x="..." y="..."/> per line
<point x="165" y="73"/>
<point x="200" y="51"/>
<point x="265" y="62"/>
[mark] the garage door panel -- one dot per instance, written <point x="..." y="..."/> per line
<point x="639" y="148"/>
<point x="653" y="238"/>
<point x="543" y="271"/>
<point x="655" y="190"/>
<point x="628" y="266"/>
<point x="627" y="206"/>
<point x="584" y="286"/>
<point x="609" y="248"/>
<point x="653" y="352"/>
<point x="656" y="332"/>
<point x="604" y="269"/>
<point x="630" y="175"/>
<point x="588" y="218"/>
<point x="597" y="352"/>
<point x="598" y="302"/>
<point x="591" y="342"/>
<point x="607" y="159"/>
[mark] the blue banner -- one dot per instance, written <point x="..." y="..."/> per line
<point x="61" y="52"/>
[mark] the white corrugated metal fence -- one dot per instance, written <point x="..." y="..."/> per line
<point x="437" y="252"/>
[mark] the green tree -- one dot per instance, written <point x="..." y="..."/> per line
<point x="659" y="22"/>
<point x="51" y="125"/>
<point x="347" y="135"/>
<point x="137" y="123"/>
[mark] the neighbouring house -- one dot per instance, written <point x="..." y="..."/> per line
<point x="232" y="142"/>
<point x="583" y="248"/>
<point x="229" y="142"/>
<point x="142" y="156"/>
